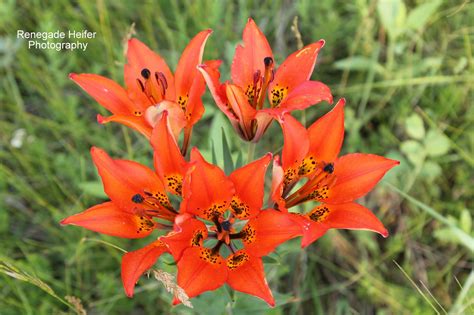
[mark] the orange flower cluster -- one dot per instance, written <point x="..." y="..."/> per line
<point x="216" y="227"/>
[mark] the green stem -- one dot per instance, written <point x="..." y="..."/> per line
<point x="251" y="152"/>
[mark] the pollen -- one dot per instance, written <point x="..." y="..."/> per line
<point x="175" y="184"/>
<point x="290" y="175"/>
<point x="251" y="91"/>
<point x="237" y="260"/>
<point x="240" y="209"/>
<point x="278" y="93"/>
<point x="215" y="211"/>
<point x="307" y="166"/>
<point x="183" y="101"/>
<point x="207" y="255"/>
<point x="144" y="224"/>
<point x="319" y="193"/>
<point x="198" y="237"/>
<point x="318" y="214"/>
<point x="249" y="234"/>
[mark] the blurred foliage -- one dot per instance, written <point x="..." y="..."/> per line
<point x="406" y="68"/>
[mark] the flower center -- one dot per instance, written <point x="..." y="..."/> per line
<point x="153" y="85"/>
<point x="316" y="188"/>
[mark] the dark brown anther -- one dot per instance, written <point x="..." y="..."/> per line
<point x="137" y="198"/>
<point x="268" y="61"/>
<point x="329" y="168"/>
<point x="160" y="77"/>
<point x="140" y="84"/>
<point x="145" y="73"/>
<point x="256" y="77"/>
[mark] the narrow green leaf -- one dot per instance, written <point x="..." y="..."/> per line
<point x="227" y="155"/>
<point x="213" y="151"/>
<point x="464" y="238"/>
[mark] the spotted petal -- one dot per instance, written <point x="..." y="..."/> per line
<point x="295" y="70"/>
<point x="268" y="230"/>
<point x="135" y="263"/>
<point x="200" y="270"/>
<point x="246" y="274"/>
<point x="207" y="191"/>
<point x="249" y="57"/>
<point x="123" y="179"/>
<point x="327" y="134"/>
<point x="356" y="175"/>
<point x="107" y="218"/>
<point x="249" y="182"/>
<point x="350" y="216"/>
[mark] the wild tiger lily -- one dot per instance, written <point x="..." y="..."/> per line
<point x="138" y="201"/>
<point x="335" y="182"/>
<point x="222" y="232"/>
<point x="151" y="88"/>
<point x="253" y="76"/>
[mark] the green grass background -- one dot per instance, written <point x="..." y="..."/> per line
<point x="406" y="70"/>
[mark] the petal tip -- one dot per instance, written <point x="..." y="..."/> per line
<point x="64" y="221"/>
<point x="384" y="233"/>
<point x="72" y="75"/>
<point x="100" y="119"/>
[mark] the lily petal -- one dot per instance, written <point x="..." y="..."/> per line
<point x="189" y="82"/>
<point x="169" y="163"/>
<point x="356" y="175"/>
<point x="135" y="263"/>
<point x="327" y="134"/>
<point x="176" y="118"/>
<point x="249" y="182"/>
<point x="199" y="271"/>
<point x="207" y="191"/>
<point x="106" y="92"/>
<point x="248" y="58"/>
<point x="295" y="70"/>
<point x="210" y="72"/>
<point x="306" y="94"/>
<point x="107" y="218"/>
<point x="296" y="141"/>
<point x="277" y="185"/>
<point x="268" y="230"/>
<point x="350" y="216"/>
<point x="189" y="233"/>
<point x="243" y="110"/>
<point x="140" y="124"/>
<point x="123" y="179"/>
<point x="140" y="57"/>
<point x="246" y="274"/>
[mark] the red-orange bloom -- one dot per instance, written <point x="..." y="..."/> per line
<point x="151" y="88"/>
<point x="238" y="233"/>
<point x="253" y="76"/>
<point x="333" y="181"/>
<point x="138" y="198"/>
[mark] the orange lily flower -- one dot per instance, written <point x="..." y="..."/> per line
<point x="253" y="75"/>
<point x="151" y="88"/>
<point x="138" y="198"/>
<point x="335" y="182"/>
<point x="223" y="215"/>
